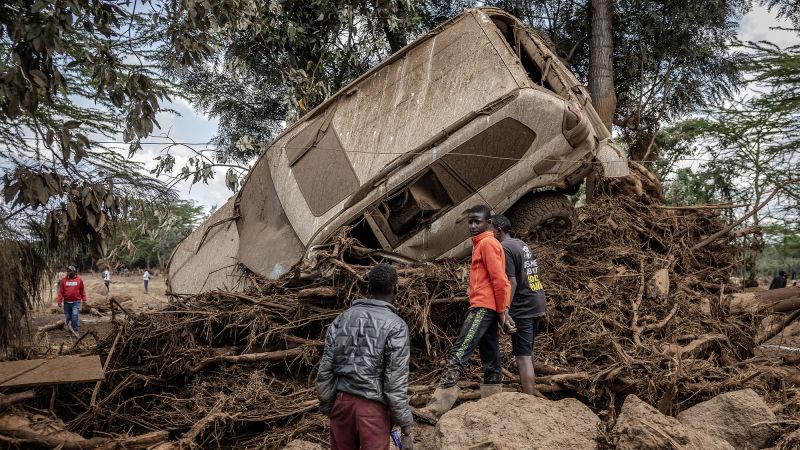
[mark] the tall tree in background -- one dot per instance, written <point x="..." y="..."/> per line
<point x="601" y="62"/>
<point x="146" y="237"/>
<point x="70" y="70"/>
<point x="647" y="62"/>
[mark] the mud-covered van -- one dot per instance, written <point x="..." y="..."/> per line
<point x="479" y="110"/>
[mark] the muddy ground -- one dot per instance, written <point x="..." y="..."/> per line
<point x="129" y="291"/>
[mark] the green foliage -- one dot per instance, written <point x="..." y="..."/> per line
<point x="278" y="59"/>
<point x="255" y="64"/>
<point x="669" y="59"/>
<point x="147" y="237"/>
<point x="72" y="69"/>
<point x="782" y="252"/>
<point x="786" y="9"/>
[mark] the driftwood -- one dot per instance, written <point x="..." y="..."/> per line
<point x="692" y="347"/>
<point x="323" y="292"/>
<point x="775" y="300"/>
<point x="737" y="222"/>
<point x="248" y="358"/>
<point x="30" y="439"/>
<point x="774" y="330"/>
<point x="589" y="345"/>
<point x="58" y="324"/>
<point x="18" y="397"/>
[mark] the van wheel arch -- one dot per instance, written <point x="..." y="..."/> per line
<point x="541" y="216"/>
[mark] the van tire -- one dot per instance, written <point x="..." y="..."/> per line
<point x="541" y="216"/>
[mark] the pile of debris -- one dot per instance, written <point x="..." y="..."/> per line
<point x="636" y="305"/>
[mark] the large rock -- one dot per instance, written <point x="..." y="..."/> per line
<point x="658" y="285"/>
<point x="298" y="444"/>
<point x="732" y="416"/>
<point x="511" y="420"/>
<point x="640" y="426"/>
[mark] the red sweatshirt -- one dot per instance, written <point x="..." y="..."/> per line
<point x="488" y="282"/>
<point x="71" y="290"/>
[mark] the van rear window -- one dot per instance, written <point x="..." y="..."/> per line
<point x="324" y="174"/>
<point x="490" y="153"/>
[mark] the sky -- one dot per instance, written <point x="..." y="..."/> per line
<point x="194" y="126"/>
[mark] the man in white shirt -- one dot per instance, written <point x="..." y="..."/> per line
<point x="146" y="279"/>
<point x="107" y="279"/>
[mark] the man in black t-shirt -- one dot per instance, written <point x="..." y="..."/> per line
<point x="527" y="299"/>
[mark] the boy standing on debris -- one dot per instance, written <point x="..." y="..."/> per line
<point x="362" y="383"/>
<point x="72" y="293"/>
<point x="489" y="296"/>
<point x="527" y="301"/>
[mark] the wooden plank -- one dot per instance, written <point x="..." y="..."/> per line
<point x="37" y="372"/>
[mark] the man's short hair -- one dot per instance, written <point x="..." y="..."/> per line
<point x="382" y="280"/>
<point x="501" y="222"/>
<point x="481" y="209"/>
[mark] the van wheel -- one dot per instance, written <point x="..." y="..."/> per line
<point x="541" y="216"/>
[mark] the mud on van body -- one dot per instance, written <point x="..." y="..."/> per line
<point x="477" y="111"/>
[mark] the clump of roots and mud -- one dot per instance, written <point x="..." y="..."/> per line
<point x="637" y="304"/>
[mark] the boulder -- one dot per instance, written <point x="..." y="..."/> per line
<point x="658" y="285"/>
<point x="732" y="416"/>
<point x="640" y="426"/>
<point x="511" y="420"/>
<point x="299" y="444"/>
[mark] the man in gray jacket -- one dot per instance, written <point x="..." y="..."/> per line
<point x="362" y="383"/>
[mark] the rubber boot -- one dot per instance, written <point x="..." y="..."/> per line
<point x="488" y="390"/>
<point x="441" y="401"/>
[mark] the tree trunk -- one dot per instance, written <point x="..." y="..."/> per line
<point x="756" y="245"/>
<point x="601" y="69"/>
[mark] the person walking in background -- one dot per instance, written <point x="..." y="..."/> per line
<point x="779" y="282"/>
<point x="72" y="294"/>
<point x="527" y="299"/>
<point x="362" y="382"/>
<point x="489" y="296"/>
<point x="146" y="279"/>
<point x="107" y="279"/>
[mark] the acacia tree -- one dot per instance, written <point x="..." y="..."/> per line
<point x="147" y="235"/>
<point x="72" y="69"/>
<point x="71" y="72"/>
<point x="748" y="154"/>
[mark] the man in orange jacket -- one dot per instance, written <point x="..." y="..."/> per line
<point x="489" y="297"/>
<point x="72" y="293"/>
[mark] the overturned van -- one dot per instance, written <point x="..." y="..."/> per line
<point x="477" y="111"/>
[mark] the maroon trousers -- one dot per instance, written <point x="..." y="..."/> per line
<point x="359" y="424"/>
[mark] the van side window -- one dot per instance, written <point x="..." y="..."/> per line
<point x="490" y="153"/>
<point x="522" y="51"/>
<point x="322" y="170"/>
<point x="460" y="173"/>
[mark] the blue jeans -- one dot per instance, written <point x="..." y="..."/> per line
<point x="71" y="310"/>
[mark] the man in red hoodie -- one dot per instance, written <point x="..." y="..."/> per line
<point x="72" y="293"/>
<point x="489" y="297"/>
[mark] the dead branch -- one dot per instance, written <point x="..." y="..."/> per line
<point x="248" y="358"/>
<point x="17" y="397"/>
<point x="758" y="208"/>
<point x="31" y="439"/>
<point x="772" y="332"/>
